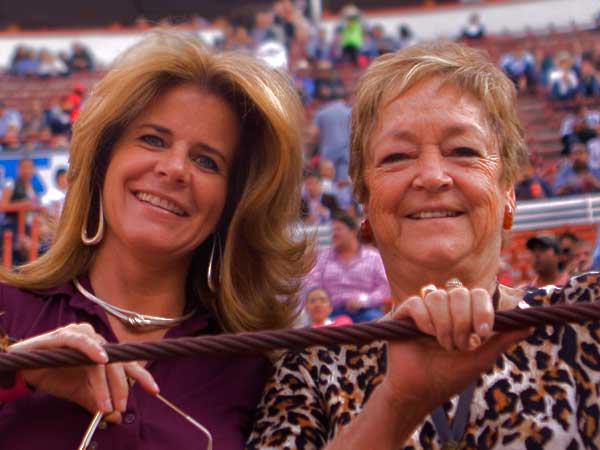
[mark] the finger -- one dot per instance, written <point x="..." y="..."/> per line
<point x="138" y="373"/>
<point x="439" y="311"/>
<point x="113" y="417"/>
<point x="459" y="300"/>
<point x="416" y="310"/>
<point x="80" y="337"/>
<point x="486" y="355"/>
<point x="118" y="385"/>
<point x="483" y="312"/>
<point x="98" y="384"/>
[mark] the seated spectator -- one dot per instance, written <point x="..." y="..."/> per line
<point x="327" y="173"/>
<point x="24" y="62"/>
<point x="318" y="307"/>
<point x="265" y="29"/>
<point x="50" y="65"/>
<point x="9" y="117"/>
<point x="589" y="85"/>
<point x="351" y="272"/>
<point x="581" y="258"/>
<point x="532" y="185"/>
<point x="566" y="241"/>
<point x="319" y="47"/>
<point x="75" y="100"/>
<point x="546" y="259"/>
<point x="316" y="207"/>
<point x="406" y="37"/>
<point x="327" y="83"/>
<point x="581" y="181"/>
<point x="519" y="66"/>
<point x="59" y="116"/>
<point x="36" y="120"/>
<point x="304" y="81"/>
<point x="564" y="81"/>
<point x="378" y="43"/>
<point x="474" y="29"/>
<point x="11" y="141"/>
<point x="54" y="199"/>
<point x="80" y="59"/>
<point x="579" y="127"/>
<point x="19" y="191"/>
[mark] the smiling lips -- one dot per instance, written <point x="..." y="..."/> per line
<point x="160" y="202"/>
<point x="434" y="214"/>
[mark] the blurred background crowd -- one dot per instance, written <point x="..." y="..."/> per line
<point x="324" y="47"/>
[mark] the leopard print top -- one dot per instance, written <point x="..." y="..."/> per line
<point x="541" y="394"/>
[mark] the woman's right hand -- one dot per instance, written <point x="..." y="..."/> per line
<point x="100" y="387"/>
<point x="462" y="346"/>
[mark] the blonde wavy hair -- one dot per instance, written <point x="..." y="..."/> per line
<point x="261" y="263"/>
<point x="390" y="75"/>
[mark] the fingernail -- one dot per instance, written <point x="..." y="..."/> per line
<point x="108" y="406"/>
<point x="155" y="386"/>
<point x="484" y="329"/>
<point x="122" y="405"/>
<point x="104" y="355"/>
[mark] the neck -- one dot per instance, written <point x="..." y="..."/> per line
<point x="347" y="250"/>
<point x="406" y="280"/>
<point x="140" y="283"/>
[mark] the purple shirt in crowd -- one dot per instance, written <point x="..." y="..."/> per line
<point x="360" y="277"/>
<point x="221" y="392"/>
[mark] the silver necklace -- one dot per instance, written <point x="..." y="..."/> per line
<point x="133" y="318"/>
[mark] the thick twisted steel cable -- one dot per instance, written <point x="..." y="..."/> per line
<point x="264" y="341"/>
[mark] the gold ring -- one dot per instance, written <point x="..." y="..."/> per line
<point x="427" y="289"/>
<point x="453" y="283"/>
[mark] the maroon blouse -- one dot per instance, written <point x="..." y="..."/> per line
<point x="219" y="392"/>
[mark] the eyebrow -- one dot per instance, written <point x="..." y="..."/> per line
<point x="165" y="130"/>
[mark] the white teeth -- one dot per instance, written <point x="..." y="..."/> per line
<point x="160" y="202"/>
<point x="433" y="214"/>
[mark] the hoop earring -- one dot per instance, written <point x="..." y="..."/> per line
<point x="507" y="221"/>
<point x="97" y="238"/>
<point x="366" y="233"/>
<point x="211" y="262"/>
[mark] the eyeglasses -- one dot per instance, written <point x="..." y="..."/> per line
<point x="87" y="437"/>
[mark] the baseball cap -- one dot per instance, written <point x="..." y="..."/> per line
<point x="544" y="241"/>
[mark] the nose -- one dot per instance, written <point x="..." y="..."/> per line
<point x="431" y="175"/>
<point x="173" y="165"/>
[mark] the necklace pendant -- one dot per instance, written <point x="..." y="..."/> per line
<point x="450" y="445"/>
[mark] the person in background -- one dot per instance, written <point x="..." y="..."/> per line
<point x="566" y="242"/>
<point x="54" y="199"/>
<point x="546" y="253"/>
<point x="474" y="29"/>
<point x="519" y="66"/>
<point x="351" y="34"/>
<point x="532" y="185"/>
<point x="319" y="47"/>
<point x="331" y="131"/>
<point x="316" y="207"/>
<point x="564" y="81"/>
<point x="318" y="308"/>
<point x="351" y="272"/>
<point x="9" y="117"/>
<point x="589" y="84"/>
<point x="80" y="58"/>
<point x="581" y="258"/>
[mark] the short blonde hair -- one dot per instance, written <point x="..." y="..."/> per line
<point x="261" y="262"/>
<point x="393" y="74"/>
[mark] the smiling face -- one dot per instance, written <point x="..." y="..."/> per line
<point x="166" y="183"/>
<point x="318" y="306"/>
<point x="433" y="175"/>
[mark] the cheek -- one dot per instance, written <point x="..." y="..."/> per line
<point x="386" y="193"/>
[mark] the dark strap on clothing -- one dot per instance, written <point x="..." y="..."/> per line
<point x="450" y="437"/>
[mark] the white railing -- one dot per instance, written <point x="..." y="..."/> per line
<point x="531" y="215"/>
<point x="556" y="212"/>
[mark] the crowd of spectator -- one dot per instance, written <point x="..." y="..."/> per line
<point x="283" y="36"/>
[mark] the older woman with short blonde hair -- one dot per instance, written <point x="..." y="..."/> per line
<point x="435" y="150"/>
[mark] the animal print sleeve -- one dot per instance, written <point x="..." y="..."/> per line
<point x="290" y="414"/>
<point x="579" y="347"/>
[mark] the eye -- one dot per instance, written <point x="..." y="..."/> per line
<point x="396" y="157"/>
<point x="464" y="152"/>
<point x="153" y="140"/>
<point x="205" y="162"/>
